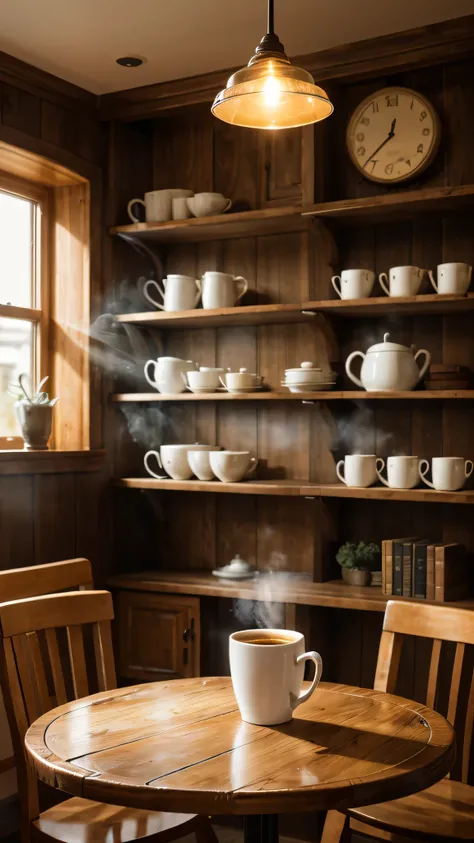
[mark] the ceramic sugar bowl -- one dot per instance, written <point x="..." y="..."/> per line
<point x="388" y="367"/>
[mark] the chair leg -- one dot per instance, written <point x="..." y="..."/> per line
<point x="336" y="828"/>
<point x="204" y="831"/>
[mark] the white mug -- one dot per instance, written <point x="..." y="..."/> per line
<point x="220" y="289"/>
<point x="402" y="280"/>
<point x="239" y="381"/>
<point x="157" y="204"/>
<point x="402" y="472"/>
<point x="449" y="473"/>
<point x="453" y="279"/>
<point x="354" y="283"/>
<point x="179" y="208"/>
<point x="232" y="466"/>
<point x="359" y="470"/>
<point x="200" y="465"/>
<point x="267" y="677"/>
<point x="207" y="204"/>
<point x="174" y="460"/>
<point x="178" y="292"/>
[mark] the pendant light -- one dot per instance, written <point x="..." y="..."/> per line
<point x="270" y="93"/>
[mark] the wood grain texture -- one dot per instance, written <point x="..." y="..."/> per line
<point x="336" y="395"/>
<point x="33" y="580"/>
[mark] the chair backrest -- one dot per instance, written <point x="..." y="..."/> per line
<point x="440" y="624"/>
<point x="36" y="675"/>
<point x="17" y="583"/>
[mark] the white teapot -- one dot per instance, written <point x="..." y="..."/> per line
<point x="169" y="375"/>
<point x="388" y="367"/>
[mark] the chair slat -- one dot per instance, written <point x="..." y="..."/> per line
<point x="455" y="682"/>
<point x="388" y="662"/>
<point x="104" y="656"/>
<point x="78" y="661"/>
<point x="37" y="664"/>
<point x="18" y="583"/>
<point x="433" y="674"/>
<point x="468" y="734"/>
<point x="25" y="672"/>
<point x="56" y="666"/>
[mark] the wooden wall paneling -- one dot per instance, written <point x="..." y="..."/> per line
<point x="236" y="528"/>
<point x="188" y="531"/>
<point x="371" y="632"/>
<point x="93" y="524"/>
<point x="236" y="164"/>
<point x="323" y="260"/>
<point x="16" y="522"/>
<point x="54" y="517"/>
<point x="280" y="167"/>
<point x="286" y="535"/>
<point x="458" y="121"/>
<point x="21" y="110"/>
<point x="183" y="151"/>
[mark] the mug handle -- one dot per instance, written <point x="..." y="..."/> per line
<point x="339" y="468"/>
<point x="423" y="469"/>
<point x="431" y="277"/>
<point x="333" y="282"/>
<point x="384" y="282"/>
<point x="223" y="383"/>
<point x="199" y="292"/>
<point x="468" y="471"/>
<point x="425" y="364"/>
<point x="318" y="672"/>
<point x="152" y="383"/>
<point x="349" y="360"/>
<point x="379" y="470"/>
<point x="150" y="470"/>
<point x="130" y="206"/>
<point x="227" y="206"/>
<point x="149" y="298"/>
<point x="253" y="467"/>
<point x="243" y="285"/>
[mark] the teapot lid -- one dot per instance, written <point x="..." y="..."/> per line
<point x="238" y="564"/>
<point x="387" y="346"/>
<point x="306" y="366"/>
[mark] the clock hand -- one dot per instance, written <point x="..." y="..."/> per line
<point x="390" y="135"/>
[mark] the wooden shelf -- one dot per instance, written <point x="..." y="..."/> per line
<point x="278" y="314"/>
<point x="297" y="488"/>
<point x="277" y="588"/>
<point x="402" y="204"/>
<point x="220" y="227"/>
<point x="335" y="395"/>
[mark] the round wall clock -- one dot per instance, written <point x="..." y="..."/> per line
<point x="393" y="135"/>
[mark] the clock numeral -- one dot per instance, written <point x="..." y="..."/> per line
<point x="361" y="150"/>
<point x="375" y="107"/>
<point x="373" y="161"/>
<point x="360" y="136"/>
<point x="411" y="104"/>
<point x="365" y="121"/>
<point x="391" y="100"/>
<point x="408" y="162"/>
<point x="426" y="131"/>
<point x="423" y="116"/>
<point x="419" y="147"/>
<point x="389" y="169"/>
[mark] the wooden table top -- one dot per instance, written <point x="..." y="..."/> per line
<point x="182" y="746"/>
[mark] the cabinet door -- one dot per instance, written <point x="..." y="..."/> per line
<point x="280" y="167"/>
<point x="158" y="636"/>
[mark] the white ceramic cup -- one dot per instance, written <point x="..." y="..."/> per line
<point x="267" y="678"/>
<point x="402" y="280"/>
<point x="157" y="204"/>
<point x="207" y="381"/>
<point x="207" y="204"/>
<point x="179" y="208"/>
<point x="238" y="381"/>
<point x="359" y="470"/>
<point x="449" y="473"/>
<point x="179" y="292"/>
<point x="402" y="472"/>
<point x="453" y="278"/>
<point x="200" y="465"/>
<point x="174" y="460"/>
<point x="232" y="466"/>
<point x="220" y="289"/>
<point x="169" y="374"/>
<point x="354" y="283"/>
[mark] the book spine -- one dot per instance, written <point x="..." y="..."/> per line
<point x="388" y="568"/>
<point x="419" y="570"/>
<point x="407" y="569"/>
<point x="397" y="568"/>
<point x="439" y="574"/>
<point x="384" y="544"/>
<point x="430" y="572"/>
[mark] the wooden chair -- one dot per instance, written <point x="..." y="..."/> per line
<point x="17" y="583"/>
<point x="29" y="628"/>
<point x="444" y="812"/>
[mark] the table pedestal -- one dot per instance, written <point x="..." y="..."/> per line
<point x="261" y="828"/>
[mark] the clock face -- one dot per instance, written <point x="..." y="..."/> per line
<point x="393" y="135"/>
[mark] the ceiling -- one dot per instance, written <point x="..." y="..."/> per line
<point x="79" y="40"/>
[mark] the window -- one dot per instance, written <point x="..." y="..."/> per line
<point x="24" y="317"/>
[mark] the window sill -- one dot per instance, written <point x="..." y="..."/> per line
<point x="50" y="462"/>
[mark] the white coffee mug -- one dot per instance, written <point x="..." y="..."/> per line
<point x="179" y="208"/>
<point x="449" y="473"/>
<point x="402" y="280"/>
<point x="268" y="677"/>
<point x="453" y="279"/>
<point x="174" y="460"/>
<point x="354" y="283"/>
<point x="402" y="472"/>
<point x="220" y="289"/>
<point x="200" y="465"/>
<point x="179" y="292"/>
<point x="240" y="381"/>
<point x="157" y="204"/>
<point x="359" y="470"/>
<point x="207" y="204"/>
<point x="232" y="466"/>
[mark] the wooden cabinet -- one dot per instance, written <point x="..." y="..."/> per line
<point x="158" y="636"/>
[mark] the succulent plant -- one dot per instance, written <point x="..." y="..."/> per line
<point x="362" y="555"/>
<point x="20" y="392"/>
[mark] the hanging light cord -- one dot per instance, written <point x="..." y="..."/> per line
<point x="270" y="23"/>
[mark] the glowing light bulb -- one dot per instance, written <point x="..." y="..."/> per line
<point x="271" y="92"/>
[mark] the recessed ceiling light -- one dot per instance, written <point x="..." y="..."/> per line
<point x="131" y="61"/>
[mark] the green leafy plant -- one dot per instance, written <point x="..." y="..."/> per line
<point x="20" y="392"/>
<point x="362" y="556"/>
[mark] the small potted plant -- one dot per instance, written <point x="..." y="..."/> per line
<point x="35" y="414"/>
<point x="357" y="561"/>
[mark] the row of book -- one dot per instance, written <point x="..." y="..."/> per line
<point x="413" y="567"/>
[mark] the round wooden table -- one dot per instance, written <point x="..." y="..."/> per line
<point x="182" y="746"/>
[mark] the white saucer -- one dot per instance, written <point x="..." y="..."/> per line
<point x="310" y="387"/>
<point x="227" y="575"/>
<point x="244" y="391"/>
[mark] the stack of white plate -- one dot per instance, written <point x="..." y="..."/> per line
<point x="309" y="378"/>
